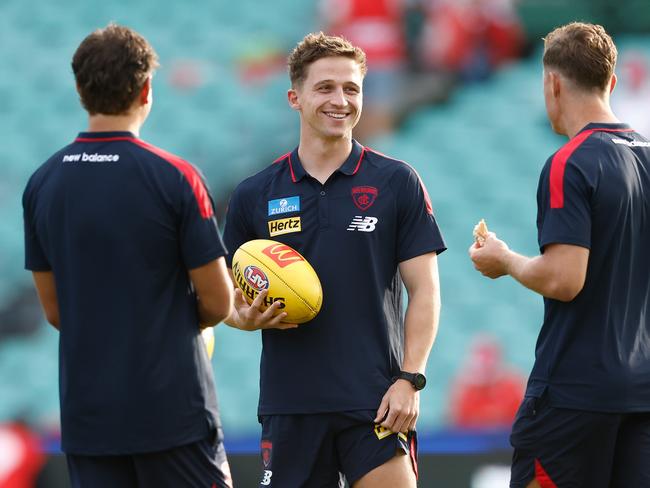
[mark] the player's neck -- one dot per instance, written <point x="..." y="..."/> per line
<point x="321" y="157"/>
<point x="588" y="112"/>
<point x="115" y="123"/>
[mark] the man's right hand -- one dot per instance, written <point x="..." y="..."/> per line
<point x="251" y="317"/>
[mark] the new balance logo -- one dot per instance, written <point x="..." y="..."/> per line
<point x="266" y="477"/>
<point x="363" y="224"/>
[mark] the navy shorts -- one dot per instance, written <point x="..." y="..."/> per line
<point x="317" y="450"/>
<point x="201" y="464"/>
<point x="564" y="448"/>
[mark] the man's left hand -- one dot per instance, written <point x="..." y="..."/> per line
<point x="400" y="407"/>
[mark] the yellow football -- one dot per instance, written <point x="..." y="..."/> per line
<point x="262" y="264"/>
<point x="208" y="339"/>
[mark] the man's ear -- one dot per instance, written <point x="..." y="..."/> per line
<point x="144" y="93"/>
<point x="556" y="84"/>
<point x="612" y="83"/>
<point x="292" y="97"/>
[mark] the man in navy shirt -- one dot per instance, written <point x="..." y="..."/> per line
<point x="585" y="420"/>
<point x="340" y="394"/>
<point x="129" y="266"/>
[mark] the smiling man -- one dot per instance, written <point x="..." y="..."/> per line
<point x="340" y="394"/>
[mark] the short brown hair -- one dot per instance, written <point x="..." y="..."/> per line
<point x="582" y="52"/>
<point x="316" y="46"/>
<point x="110" y="67"/>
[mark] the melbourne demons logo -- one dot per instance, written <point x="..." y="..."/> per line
<point x="364" y="196"/>
<point x="266" y="447"/>
<point x="282" y="255"/>
<point x="256" y="278"/>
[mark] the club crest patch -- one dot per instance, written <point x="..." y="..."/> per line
<point x="266" y="447"/>
<point x="364" y="196"/>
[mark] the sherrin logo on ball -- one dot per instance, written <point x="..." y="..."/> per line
<point x="263" y="264"/>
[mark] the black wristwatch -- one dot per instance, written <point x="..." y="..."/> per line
<point x="418" y="380"/>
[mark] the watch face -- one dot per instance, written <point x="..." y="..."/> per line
<point x="419" y="381"/>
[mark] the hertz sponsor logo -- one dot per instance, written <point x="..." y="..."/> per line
<point x="284" y="226"/>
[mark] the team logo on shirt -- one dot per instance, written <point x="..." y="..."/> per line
<point x="284" y="205"/>
<point x="284" y="226"/>
<point x="364" y="196"/>
<point x="363" y="224"/>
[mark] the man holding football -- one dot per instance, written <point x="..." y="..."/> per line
<point x="340" y="394"/>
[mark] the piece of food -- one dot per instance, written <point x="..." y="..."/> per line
<point x="480" y="232"/>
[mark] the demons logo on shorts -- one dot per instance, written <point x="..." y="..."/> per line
<point x="364" y="196"/>
<point x="256" y="278"/>
<point x="265" y="448"/>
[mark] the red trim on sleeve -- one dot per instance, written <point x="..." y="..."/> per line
<point x="558" y="164"/>
<point x="542" y="476"/>
<point x="191" y="174"/>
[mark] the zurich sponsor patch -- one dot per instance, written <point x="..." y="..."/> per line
<point x="284" y="205"/>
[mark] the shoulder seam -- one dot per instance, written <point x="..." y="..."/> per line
<point x="189" y="172"/>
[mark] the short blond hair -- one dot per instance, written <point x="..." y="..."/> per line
<point x="582" y="52"/>
<point x="315" y="46"/>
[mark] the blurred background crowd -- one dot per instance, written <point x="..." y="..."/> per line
<point x="454" y="88"/>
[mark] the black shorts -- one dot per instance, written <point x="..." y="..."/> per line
<point x="564" y="448"/>
<point x="304" y="451"/>
<point x="201" y="464"/>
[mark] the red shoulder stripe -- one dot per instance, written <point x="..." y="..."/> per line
<point x="191" y="175"/>
<point x="558" y="164"/>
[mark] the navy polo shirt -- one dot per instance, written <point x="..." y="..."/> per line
<point x="371" y="214"/>
<point x="593" y="353"/>
<point x="119" y="222"/>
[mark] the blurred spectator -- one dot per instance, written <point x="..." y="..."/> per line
<point x="376" y="26"/>
<point x="21" y="458"/>
<point x="631" y="96"/>
<point x="469" y="37"/>
<point x="486" y="393"/>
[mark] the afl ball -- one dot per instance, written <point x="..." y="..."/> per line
<point x="262" y="264"/>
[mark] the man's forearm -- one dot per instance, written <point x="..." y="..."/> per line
<point x="540" y="276"/>
<point x="420" y="329"/>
